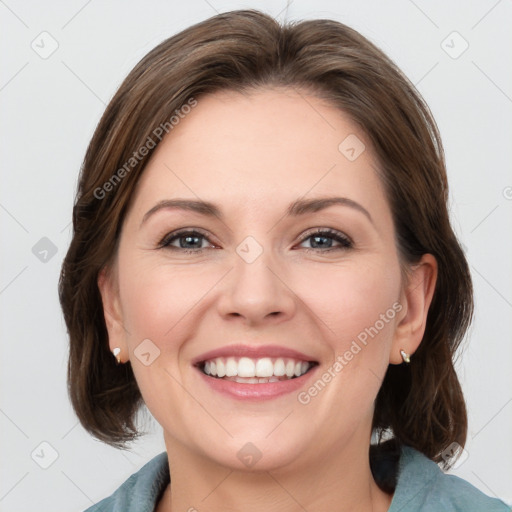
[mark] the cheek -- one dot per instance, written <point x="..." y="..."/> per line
<point x="349" y="300"/>
<point x="358" y="303"/>
<point x="157" y="300"/>
<point x="356" y="306"/>
<point x="160" y="304"/>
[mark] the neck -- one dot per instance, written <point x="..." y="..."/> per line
<point x="341" y="481"/>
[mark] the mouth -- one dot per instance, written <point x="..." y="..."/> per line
<point x="248" y="370"/>
<point x="255" y="373"/>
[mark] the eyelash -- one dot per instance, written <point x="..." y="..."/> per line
<point x="345" y="241"/>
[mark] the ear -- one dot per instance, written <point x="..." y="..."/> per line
<point x="109" y="290"/>
<point x="416" y="298"/>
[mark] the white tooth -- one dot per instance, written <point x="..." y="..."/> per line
<point x="213" y="368"/>
<point x="290" y="368"/>
<point x="221" y="367"/>
<point x="279" y="368"/>
<point x="273" y="379"/>
<point x="263" y="380"/>
<point x="207" y="367"/>
<point x="297" y="369"/>
<point x="246" y="367"/>
<point x="264" y="367"/>
<point x="303" y="369"/>
<point x="231" y="367"/>
<point x="247" y="380"/>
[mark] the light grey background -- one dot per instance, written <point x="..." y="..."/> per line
<point x="50" y="107"/>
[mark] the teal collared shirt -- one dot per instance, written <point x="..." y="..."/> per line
<point x="421" y="487"/>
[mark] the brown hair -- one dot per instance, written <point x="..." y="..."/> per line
<point x="421" y="404"/>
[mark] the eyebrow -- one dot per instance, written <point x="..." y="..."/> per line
<point x="297" y="208"/>
<point x="303" y="206"/>
<point x="202" y="207"/>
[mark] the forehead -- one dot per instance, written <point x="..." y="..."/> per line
<point x="240" y="150"/>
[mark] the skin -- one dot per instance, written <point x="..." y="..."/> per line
<point x="252" y="155"/>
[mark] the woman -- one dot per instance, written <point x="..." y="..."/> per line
<point x="262" y="255"/>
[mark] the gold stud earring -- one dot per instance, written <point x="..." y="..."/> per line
<point x="405" y="356"/>
<point x="117" y="354"/>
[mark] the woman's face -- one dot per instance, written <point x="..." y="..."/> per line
<point x="259" y="243"/>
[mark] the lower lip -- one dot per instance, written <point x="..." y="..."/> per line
<point x="264" y="391"/>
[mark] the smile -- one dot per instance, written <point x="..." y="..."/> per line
<point x="246" y="370"/>
<point x="255" y="372"/>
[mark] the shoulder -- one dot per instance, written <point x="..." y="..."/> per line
<point x="423" y="487"/>
<point x="141" y="491"/>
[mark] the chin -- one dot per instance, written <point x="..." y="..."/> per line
<point x="262" y="449"/>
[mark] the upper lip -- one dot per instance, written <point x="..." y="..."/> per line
<point x="253" y="352"/>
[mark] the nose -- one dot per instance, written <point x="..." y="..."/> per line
<point x="257" y="293"/>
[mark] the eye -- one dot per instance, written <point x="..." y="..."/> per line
<point x="187" y="241"/>
<point x="325" y="240"/>
<point x="194" y="241"/>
